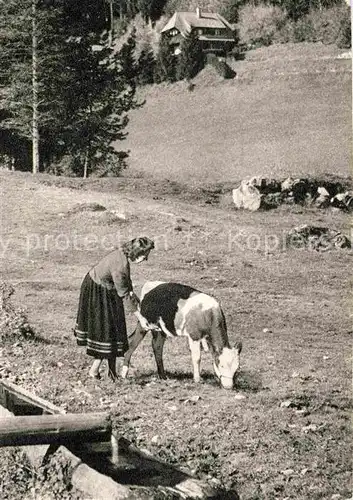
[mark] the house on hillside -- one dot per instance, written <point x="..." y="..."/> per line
<point x="216" y="35"/>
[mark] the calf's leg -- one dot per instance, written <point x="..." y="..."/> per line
<point x="158" y="340"/>
<point x="195" y="349"/>
<point x="204" y="344"/>
<point x="134" y="340"/>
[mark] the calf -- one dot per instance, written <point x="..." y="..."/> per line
<point x="172" y="309"/>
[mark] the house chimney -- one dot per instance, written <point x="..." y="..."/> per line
<point x="198" y="12"/>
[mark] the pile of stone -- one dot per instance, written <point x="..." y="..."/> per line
<point x="264" y="193"/>
<point x="316" y="238"/>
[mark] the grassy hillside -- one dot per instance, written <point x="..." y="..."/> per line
<point x="289" y="307"/>
<point x="285" y="431"/>
<point x="288" y="111"/>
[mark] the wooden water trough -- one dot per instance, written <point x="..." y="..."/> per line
<point x="105" y="466"/>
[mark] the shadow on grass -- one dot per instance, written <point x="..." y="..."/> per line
<point x="245" y="381"/>
<point x="38" y="339"/>
<point x="248" y="381"/>
<point x="34" y="338"/>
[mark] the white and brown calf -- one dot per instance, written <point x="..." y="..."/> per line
<point x="172" y="309"/>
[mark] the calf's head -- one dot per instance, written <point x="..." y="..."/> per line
<point x="226" y="364"/>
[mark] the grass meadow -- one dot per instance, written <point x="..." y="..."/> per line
<point x="284" y="432"/>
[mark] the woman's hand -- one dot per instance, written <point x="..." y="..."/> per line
<point x="132" y="302"/>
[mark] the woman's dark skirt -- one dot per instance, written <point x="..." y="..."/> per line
<point x="100" y="325"/>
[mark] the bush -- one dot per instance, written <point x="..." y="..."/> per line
<point x="329" y="26"/>
<point x="16" y="475"/>
<point x="22" y="481"/>
<point x="221" y="67"/>
<point x="296" y="9"/>
<point x="258" y="25"/>
<point x="303" y="30"/>
<point x="265" y="24"/>
<point x="13" y="321"/>
<point x="344" y="35"/>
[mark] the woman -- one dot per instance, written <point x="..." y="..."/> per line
<point x="106" y="292"/>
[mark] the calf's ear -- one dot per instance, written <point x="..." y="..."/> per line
<point x="238" y="346"/>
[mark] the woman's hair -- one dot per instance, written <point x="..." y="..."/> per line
<point x="136" y="247"/>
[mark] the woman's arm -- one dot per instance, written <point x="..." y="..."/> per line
<point x="123" y="285"/>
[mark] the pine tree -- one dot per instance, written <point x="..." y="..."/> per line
<point x="127" y="58"/>
<point x="146" y="66"/>
<point x="24" y="56"/>
<point x="165" y="64"/>
<point x="83" y="91"/>
<point x="97" y="102"/>
<point x="191" y="59"/>
<point x="151" y="10"/>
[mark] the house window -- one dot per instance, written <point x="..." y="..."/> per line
<point x="199" y="31"/>
<point x="217" y="32"/>
<point x="173" y="32"/>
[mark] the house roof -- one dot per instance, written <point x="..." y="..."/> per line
<point x="184" y="21"/>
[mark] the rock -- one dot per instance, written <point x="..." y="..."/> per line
<point x="288" y="472"/>
<point x="323" y="198"/>
<point x="264" y="184"/>
<point x="309" y="428"/>
<point x="316" y="238"/>
<point x="237" y="196"/>
<point x="343" y="201"/>
<point x="262" y="192"/>
<point x="118" y="214"/>
<point x="338" y="239"/>
<point x="333" y="187"/>
<point x="286" y="404"/>
<point x="322" y="191"/>
<point x="298" y="236"/>
<point x="239" y="397"/>
<point x="247" y="197"/>
<point x="299" y="190"/>
<point x="274" y="199"/>
<point x="287" y="184"/>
